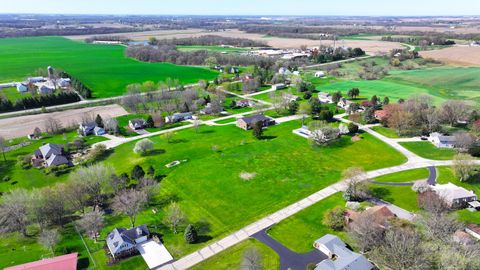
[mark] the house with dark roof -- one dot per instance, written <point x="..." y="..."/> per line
<point x="50" y="155"/>
<point x="245" y="103"/>
<point x="122" y="241"/>
<point x="247" y="123"/>
<point x="137" y="124"/>
<point x="90" y="128"/>
<point x="178" y="117"/>
<point x="339" y="256"/>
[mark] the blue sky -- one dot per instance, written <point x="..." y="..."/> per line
<point x="246" y="7"/>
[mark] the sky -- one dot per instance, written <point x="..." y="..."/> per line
<point x="246" y="7"/>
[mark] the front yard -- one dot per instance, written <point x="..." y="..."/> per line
<point x="429" y="151"/>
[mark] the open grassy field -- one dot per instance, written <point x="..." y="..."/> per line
<point x="232" y="257"/>
<point x="12" y="94"/>
<point x="429" y="151"/>
<point x="299" y="231"/>
<point x="216" y="194"/>
<point x="103" y="68"/>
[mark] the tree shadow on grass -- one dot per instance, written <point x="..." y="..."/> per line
<point x="380" y="192"/>
<point x="83" y="263"/>
<point x="268" y="138"/>
<point x="6" y="168"/>
<point x="155" y="152"/>
<point x="209" y="131"/>
<point x="175" y="141"/>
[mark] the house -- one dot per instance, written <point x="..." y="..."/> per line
<point x="442" y="141"/>
<point x="289" y="97"/>
<point x="90" y="128"/>
<point x="454" y="196"/>
<point x="325" y="97"/>
<point x="234" y="70"/>
<point x="473" y="230"/>
<point x="284" y="71"/>
<point x="319" y="74"/>
<point x="380" y="114"/>
<point x="245" y="103"/>
<point x="339" y="256"/>
<point x="247" y="123"/>
<point x="123" y="242"/>
<point x="22" y="87"/>
<point x="50" y="155"/>
<point x="137" y="124"/>
<point x="36" y="79"/>
<point x="64" y="262"/>
<point x="45" y="90"/>
<point x="279" y="86"/>
<point x="64" y="82"/>
<point x="379" y="216"/>
<point x="247" y="77"/>
<point x="344" y="103"/>
<point x="177" y="117"/>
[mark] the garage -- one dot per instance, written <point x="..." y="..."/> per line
<point x="154" y="254"/>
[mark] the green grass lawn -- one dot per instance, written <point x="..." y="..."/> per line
<point x="429" y="151"/>
<point x="405" y="176"/>
<point x="232" y="257"/>
<point x="13" y="95"/>
<point x="215" y="49"/>
<point x="283" y="162"/>
<point x="103" y="68"/>
<point x="299" y="231"/>
<point x="387" y="132"/>
<point x="403" y="197"/>
<point x="32" y="178"/>
<point x="226" y="121"/>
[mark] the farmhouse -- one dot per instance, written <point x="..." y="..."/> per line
<point x="123" y="242"/>
<point x="325" y="97"/>
<point x="22" y="87"/>
<point x="90" y="128"/>
<point x="319" y="74"/>
<point x="137" y="124"/>
<point x="177" y="117"/>
<point x="339" y="256"/>
<point x="247" y="123"/>
<point x="289" y="97"/>
<point x="64" y="262"/>
<point x="454" y="196"/>
<point x="50" y="155"/>
<point x="442" y="141"/>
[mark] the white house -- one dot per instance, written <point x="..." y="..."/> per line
<point x="442" y="141"/>
<point x="325" y="97"/>
<point x="339" y="256"/>
<point x="121" y="240"/>
<point x="44" y="89"/>
<point x="284" y="71"/>
<point x="279" y="86"/>
<point x="454" y="196"/>
<point x="319" y="74"/>
<point x="344" y="103"/>
<point x="289" y="97"/>
<point x="22" y="88"/>
<point x="64" y="82"/>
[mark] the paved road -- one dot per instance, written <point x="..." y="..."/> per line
<point x="432" y="178"/>
<point x="288" y="258"/>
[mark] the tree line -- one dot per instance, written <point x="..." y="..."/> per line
<point x="210" y="40"/>
<point x="421" y="40"/>
<point x="38" y="101"/>
<point x="76" y="84"/>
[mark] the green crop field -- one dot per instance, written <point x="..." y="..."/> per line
<point x="103" y="68"/>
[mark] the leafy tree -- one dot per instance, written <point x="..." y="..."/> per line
<point x="336" y="97"/>
<point x="137" y="172"/>
<point x="257" y="130"/>
<point x="191" y="235"/>
<point x="335" y="218"/>
<point x="293" y="107"/>
<point x="386" y="101"/>
<point x="374" y="100"/>
<point x="211" y="61"/>
<point x="369" y="115"/>
<point x="352" y="128"/>
<point x="150" y="122"/>
<point x="463" y="166"/>
<point x="307" y="95"/>
<point x="355" y="92"/>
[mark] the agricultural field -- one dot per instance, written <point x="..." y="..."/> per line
<point x="103" y="68"/>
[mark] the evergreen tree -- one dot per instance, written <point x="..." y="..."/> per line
<point x="99" y="121"/>
<point x="137" y="172"/>
<point x="258" y="129"/>
<point x="150" y="122"/>
<point x="151" y="171"/>
<point x="386" y="101"/>
<point x="191" y="235"/>
<point x="293" y="107"/>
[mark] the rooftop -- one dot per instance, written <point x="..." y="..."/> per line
<point x="64" y="262"/>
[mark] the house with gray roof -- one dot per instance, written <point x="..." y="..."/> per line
<point x="122" y="241"/>
<point x="90" y="128"/>
<point x="455" y="196"/>
<point x="442" y="141"/>
<point x="137" y="124"/>
<point x="178" y="117"/>
<point x="50" y="155"/>
<point x="325" y="97"/>
<point x="247" y="123"/>
<point x="339" y="256"/>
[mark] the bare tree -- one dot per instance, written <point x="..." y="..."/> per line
<point x="174" y="216"/>
<point x="366" y="235"/>
<point x="37" y="132"/>
<point x="53" y="126"/>
<point x="75" y="194"/>
<point x="196" y="125"/>
<point x="439" y="226"/>
<point x="356" y="187"/>
<point x="130" y="202"/>
<point x="143" y="146"/>
<point x="111" y="125"/>
<point x="49" y="239"/>
<point x="91" y="223"/>
<point x="252" y="260"/>
<point x="464" y="140"/>
<point x="149" y="186"/>
<point x="431" y="202"/>
<point x="48" y="205"/>
<point x="96" y="178"/>
<point x="463" y="166"/>
<point x="454" y="111"/>
<point x="14" y="211"/>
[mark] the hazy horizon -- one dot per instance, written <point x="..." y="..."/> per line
<point x="376" y="8"/>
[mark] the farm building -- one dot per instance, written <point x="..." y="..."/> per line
<point x="86" y="129"/>
<point x="247" y="123"/>
<point x="339" y="256"/>
<point x="36" y="79"/>
<point x="177" y="117"/>
<point x="279" y="86"/>
<point x="64" y="262"/>
<point x="45" y="90"/>
<point x="289" y="97"/>
<point x="22" y="88"/>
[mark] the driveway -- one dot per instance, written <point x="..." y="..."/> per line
<point x="141" y="132"/>
<point x="154" y="254"/>
<point x="288" y="258"/>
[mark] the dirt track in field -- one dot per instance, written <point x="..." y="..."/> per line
<point x="24" y="125"/>
<point x="370" y="46"/>
<point x="459" y="56"/>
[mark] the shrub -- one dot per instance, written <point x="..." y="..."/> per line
<point x="6" y="178"/>
<point x="137" y="172"/>
<point x="190" y="235"/>
<point x="143" y="146"/>
<point x="335" y="218"/>
<point x="352" y="128"/>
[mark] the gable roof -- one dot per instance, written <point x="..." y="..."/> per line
<point x="451" y="192"/>
<point x="119" y="236"/>
<point x="56" y="160"/>
<point x="51" y="149"/>
<point x="443" y="138"/>
<point x="64" y="262"/>
<point x="345" y="258"/>
<point x="255" y="118"/>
